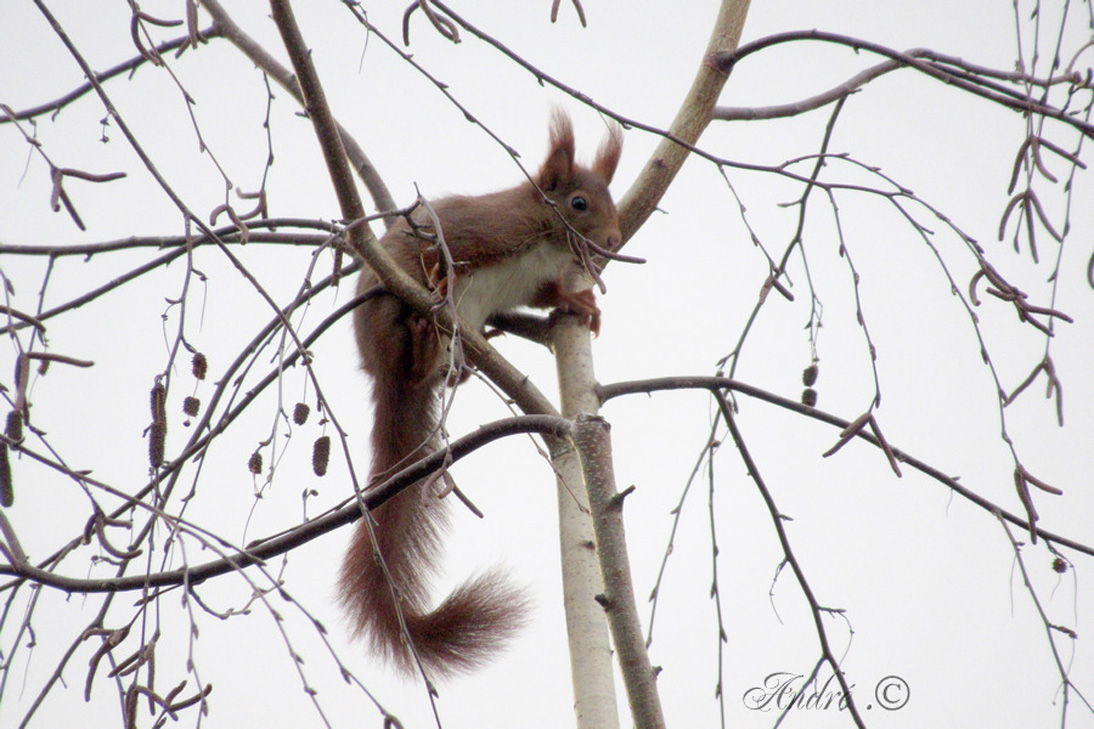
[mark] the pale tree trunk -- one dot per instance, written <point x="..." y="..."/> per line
<point x="590" y="648"/>
<point x="587" y="556"/>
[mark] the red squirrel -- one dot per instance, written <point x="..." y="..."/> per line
<point x="510" y="249"/>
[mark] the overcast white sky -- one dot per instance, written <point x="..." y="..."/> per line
<point x="928" y="582"/>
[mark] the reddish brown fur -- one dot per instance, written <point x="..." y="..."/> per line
<point x="507" y="246"/>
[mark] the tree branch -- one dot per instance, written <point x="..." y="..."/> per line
<point x="714" y="384"/>
<point x="262" y="550"/>
<point x="125" y="67"/>
<point x="227" y="27"/>
<point x="788" y="554"/>
<point x="931" y="64"/>
<point x="594" y="447"/>
<point x="693" y="117"/>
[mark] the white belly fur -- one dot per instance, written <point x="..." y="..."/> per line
<point x="508" y="284"/>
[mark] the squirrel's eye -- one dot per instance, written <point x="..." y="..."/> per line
<point x="579" y="203"/>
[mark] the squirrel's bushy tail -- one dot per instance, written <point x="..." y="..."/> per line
<point x="477" y="618"/>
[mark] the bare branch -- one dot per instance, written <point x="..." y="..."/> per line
<point x="934" y="65"/>
<point x="815" y="607"/>
<point x="608" y="392"/>
<point x="258" y="552"/>
<point x="593" y="444"/>
<point x="226" y="26"/>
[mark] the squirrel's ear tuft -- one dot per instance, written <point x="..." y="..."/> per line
<point x="607" y="157"/>
<point x="559" y="165"/>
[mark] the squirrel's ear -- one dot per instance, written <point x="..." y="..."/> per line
<point x="559" y="165"/>
<point x="607" y="157"/>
